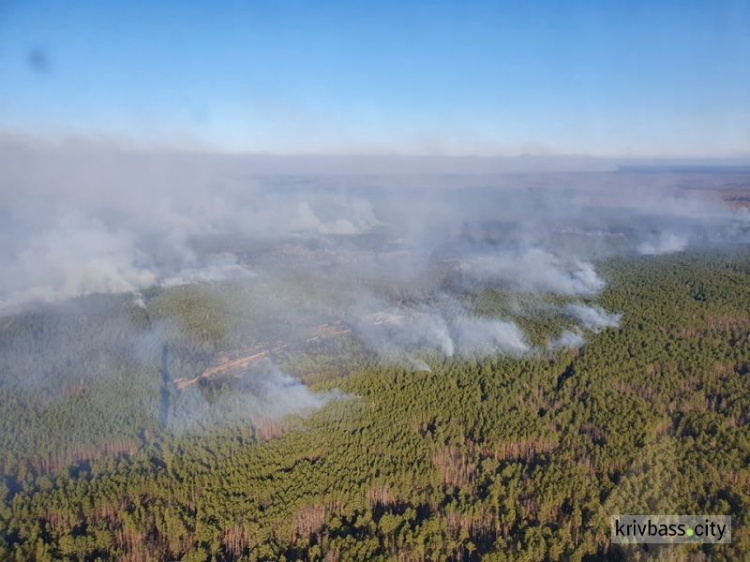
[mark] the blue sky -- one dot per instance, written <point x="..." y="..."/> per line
<point x="630" y="78"/>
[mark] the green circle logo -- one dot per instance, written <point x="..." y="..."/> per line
<point x="689" y="532"/>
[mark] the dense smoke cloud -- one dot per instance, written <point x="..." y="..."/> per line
<point x="385" y="256"/>
<point x="536" y="270"/>
<point x="260" y="394"/>
<point x="664" y="243"/>
<point x="62" y="241"/>
<point x="445" y="326"/>
<point x="483" y="336"/>
<point x="593" y="318"/>
<point x="395" y="332"/>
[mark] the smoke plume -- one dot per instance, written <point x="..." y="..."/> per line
<point x="262" y="261"/>
<point x="593" y="318"/>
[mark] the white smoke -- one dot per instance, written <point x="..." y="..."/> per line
<point x="306" y="220"/>
<point x="417" y="364"/>
<point x="568" y="339"/>
<point x="483" y="336"/>
<point x="83" y="220"/>
<point x="265" y="393"/>
<point x="139" y="301"/>
<point x="536" y="270"/>
<point x="447" y="328"/>
<point x="74" y="256"/>
<point x="594" y="318"/>
<point x="73" y="245"/>
<point x="395" y="332"/>
<point x="221" y="268"/>
<point x="383" y="257"/>
<point x="664" y="243"/>
<point x="272" y="393"/>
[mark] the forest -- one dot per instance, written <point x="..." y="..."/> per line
<point x="490" y="457"/>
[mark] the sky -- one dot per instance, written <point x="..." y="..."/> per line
<point x="625" y="78"/>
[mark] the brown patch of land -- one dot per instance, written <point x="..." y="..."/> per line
<point x="226" y="366"/>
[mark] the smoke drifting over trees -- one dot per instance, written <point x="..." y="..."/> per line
<point x="388" y="257"/>
<point x="594" y="318"/>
